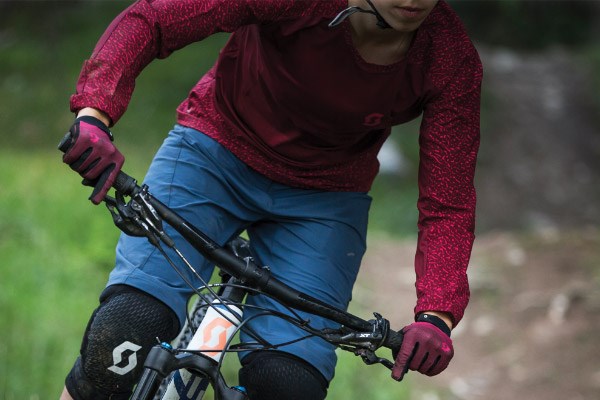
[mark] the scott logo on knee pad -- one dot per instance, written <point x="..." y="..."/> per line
<point x="119" y="354"/>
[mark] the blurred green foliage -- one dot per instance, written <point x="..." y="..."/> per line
<point x="530" y="24"/>
<point x="42" y="48"/>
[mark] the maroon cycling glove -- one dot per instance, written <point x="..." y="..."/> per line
<point x="93" y="155"/>
<point x="425" y="348"/>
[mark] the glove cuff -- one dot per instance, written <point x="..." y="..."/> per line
<point x="88" y="119"/>
<point x="437" y="321"/>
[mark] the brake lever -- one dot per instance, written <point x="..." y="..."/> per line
<point x="141" y="204"/>
<point x="363" y="344"/>
<point x="138" y="217"/>
<point x="369" y="357"/>
<point x="123" y="217"/>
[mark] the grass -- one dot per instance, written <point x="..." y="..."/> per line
<point x="50" y="266"/>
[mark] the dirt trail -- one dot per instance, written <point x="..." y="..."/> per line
<point x="539" y="164"/>
<point x="531" y="329"/>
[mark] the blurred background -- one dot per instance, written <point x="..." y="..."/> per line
<point x="531" y="329"/>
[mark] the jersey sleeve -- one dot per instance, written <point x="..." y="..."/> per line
<point x="449" y="142"/>
<point x="151" y="29"/>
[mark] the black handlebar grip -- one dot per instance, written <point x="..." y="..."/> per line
<point x="394" y="341"/>
<point x="125" y="184"/>
<point x="65" y="142"/>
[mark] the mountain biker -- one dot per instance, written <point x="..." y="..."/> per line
<point x="280" y="138"/>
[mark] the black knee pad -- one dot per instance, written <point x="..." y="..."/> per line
<point x="117" y="340"/>
<point x="275" y="375"/>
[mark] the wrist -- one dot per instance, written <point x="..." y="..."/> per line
<point x="93" y="112"/>
<point x="435" y="321"/>
<point x="444" y="316"/>
<point x="91" y="120"/>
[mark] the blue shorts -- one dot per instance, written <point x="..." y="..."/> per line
<point x="312" y="240"/>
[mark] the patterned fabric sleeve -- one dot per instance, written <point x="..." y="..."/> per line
<point x="449" y="142"/>
<point x="151" y="29"/>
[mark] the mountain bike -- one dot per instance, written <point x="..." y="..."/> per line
<point x="184" y="368"/>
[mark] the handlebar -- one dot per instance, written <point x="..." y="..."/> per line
<point x="253" y="275"/>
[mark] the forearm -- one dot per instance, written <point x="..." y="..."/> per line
<point x="447" y="202"/>
<point x="441" y="261"/>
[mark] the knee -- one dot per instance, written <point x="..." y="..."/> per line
<point x="274" y="375"/>
<point x="117" y="340"/>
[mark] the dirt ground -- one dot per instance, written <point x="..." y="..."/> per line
<point x="539" y="160"/>
<point x="531" y="329"/>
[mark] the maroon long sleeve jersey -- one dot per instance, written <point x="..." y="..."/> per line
<point x="294" y="100"/>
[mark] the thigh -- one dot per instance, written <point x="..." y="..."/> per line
<point x="314" y="243"/>
<point x="194" y="176"/>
